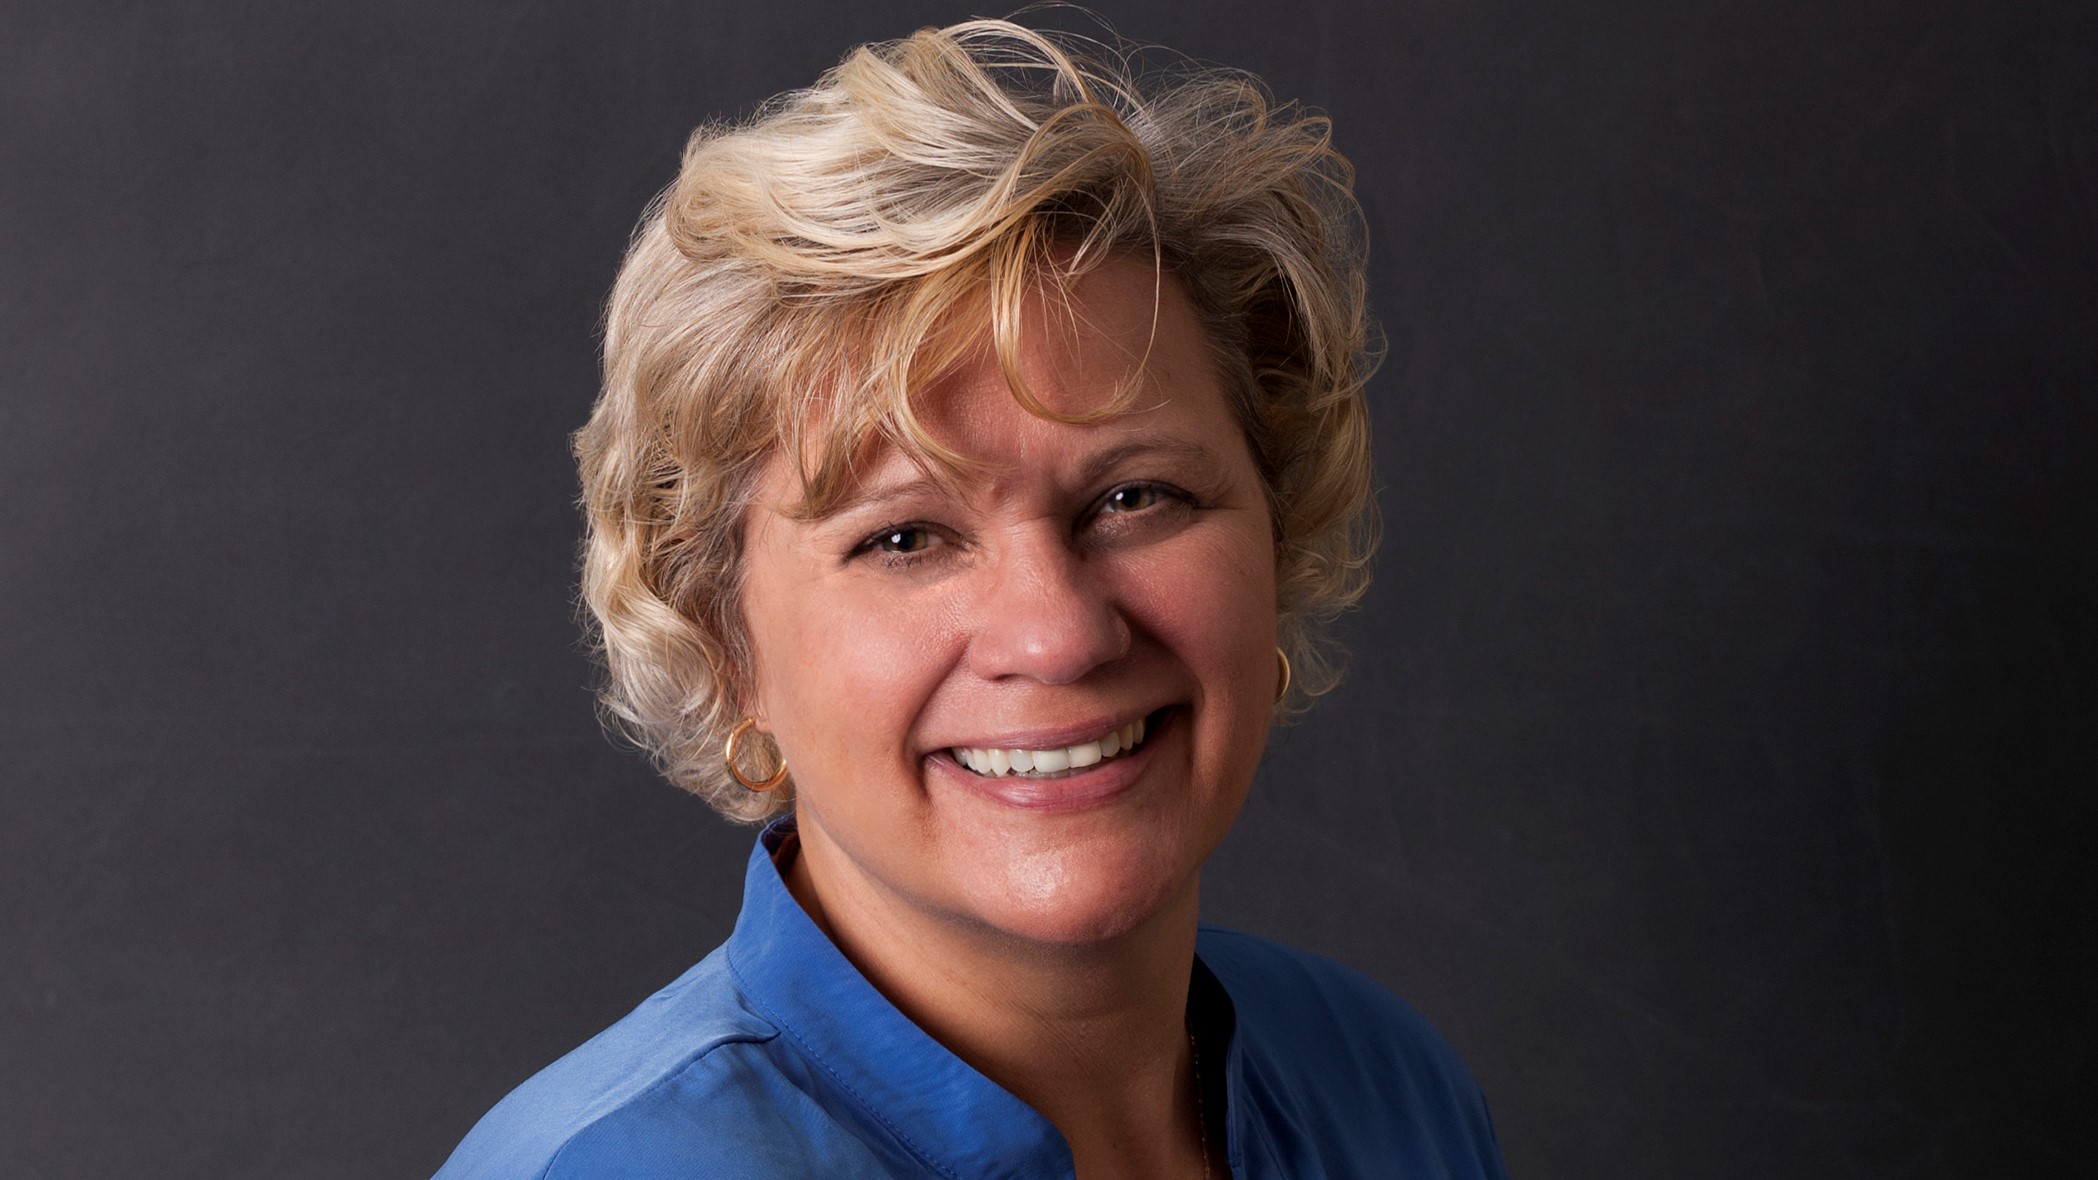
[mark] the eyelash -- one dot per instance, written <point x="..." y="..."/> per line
<point x="870" y="545"/>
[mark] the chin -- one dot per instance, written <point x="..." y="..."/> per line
<point x="1066" y="898"/>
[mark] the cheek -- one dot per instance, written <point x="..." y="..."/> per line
<point x="1210" y="602"/>
<point x="1211" y="596"/>
<point x="842" y="674"/>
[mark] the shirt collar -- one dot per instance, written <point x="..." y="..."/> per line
<point x="957" y="1120"/>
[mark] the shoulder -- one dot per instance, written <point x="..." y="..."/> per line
<point x="1333" y="1043"/>
<point x="624" y="1103"/>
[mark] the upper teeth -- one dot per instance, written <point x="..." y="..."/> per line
<point x="1056" y="761"/>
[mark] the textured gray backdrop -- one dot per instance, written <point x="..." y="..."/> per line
<point x="1717" y="765"/>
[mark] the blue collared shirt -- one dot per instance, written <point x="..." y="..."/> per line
<point x="775" y="1058"/>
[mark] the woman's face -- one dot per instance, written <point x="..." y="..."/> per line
<point x="1086" y="580"/>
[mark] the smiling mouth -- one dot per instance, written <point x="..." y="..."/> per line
<point x="1054" y="762"/>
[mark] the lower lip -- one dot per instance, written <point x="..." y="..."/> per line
<point x="1095" y="785"/>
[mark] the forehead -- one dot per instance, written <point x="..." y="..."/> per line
<point x="1116" y="360"/>
<point x="1121" y="350"/>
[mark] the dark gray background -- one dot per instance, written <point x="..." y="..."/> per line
<point x="1717" y="765"/>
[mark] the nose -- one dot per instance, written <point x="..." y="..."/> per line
<point x="1045" y="616"/>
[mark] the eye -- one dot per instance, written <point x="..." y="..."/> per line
<point x="908" y="539"/>
<point x="900" y="544"/>
<point x="1134" y="498"/>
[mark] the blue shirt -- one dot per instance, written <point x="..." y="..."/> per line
<point x="775" y="1058"/>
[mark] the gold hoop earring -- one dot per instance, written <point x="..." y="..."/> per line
<point x="728" y="756"/>
<point x="1284" y="690"/>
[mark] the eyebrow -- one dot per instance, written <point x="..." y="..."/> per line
<point x="1095" y="466"/>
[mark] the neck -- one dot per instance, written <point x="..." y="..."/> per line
<point x="1093" y="1036"/>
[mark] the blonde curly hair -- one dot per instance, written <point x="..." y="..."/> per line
<point x="803" y="274"/>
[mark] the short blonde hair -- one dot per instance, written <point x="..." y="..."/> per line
<point x="798" y="281"/>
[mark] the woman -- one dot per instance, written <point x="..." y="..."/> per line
<point x="981" y="446"/>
